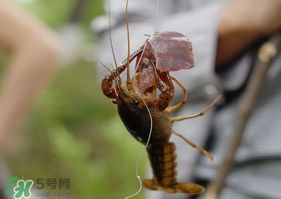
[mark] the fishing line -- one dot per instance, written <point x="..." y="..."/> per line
<point x="150" y="116"/>
<point x="151" y="124"/>
<point x="156" y="29"/>
<point x="140" y="154"/>
<point x="141" y="56"/>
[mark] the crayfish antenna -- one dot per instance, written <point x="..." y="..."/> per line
<point x="111" y="72"/>
<point x="105" y="66"/>
<point x="112" y="48"/>
<point x="128" y="41"/>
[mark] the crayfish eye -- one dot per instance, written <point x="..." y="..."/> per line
<point x="135" y="102"/>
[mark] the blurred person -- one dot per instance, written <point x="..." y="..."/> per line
<point x="32" y="51"/>
<point x="225" y="36"/>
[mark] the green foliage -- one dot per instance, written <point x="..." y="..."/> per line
<point x="52" y="12"/>
<point x="58" y="12"/>
<point x="73" y="131"/>
<point x="92" y="9"/>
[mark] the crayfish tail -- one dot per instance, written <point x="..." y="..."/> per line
<point x="163" y="162"/>
<point x="187" y="188"/>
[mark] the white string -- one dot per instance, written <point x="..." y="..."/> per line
<point x="141" y="56"/>
<point x="151" y="125"/>
<point x="139" y="156"/>
<point x="156" y="29"/>
<point x="140" y="188"/>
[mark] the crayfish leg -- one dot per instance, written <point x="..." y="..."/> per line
<point x="178" y="106"/>
<point x="187" y="188"/>
<point x="201" y="113"/>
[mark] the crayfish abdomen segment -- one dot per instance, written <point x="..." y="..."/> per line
<point x="163" y="162"/>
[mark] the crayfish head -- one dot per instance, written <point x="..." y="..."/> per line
<point x="134" y="113"/>
<point x="128" y="99"/>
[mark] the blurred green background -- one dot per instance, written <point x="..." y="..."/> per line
<point x="73" y="131"/>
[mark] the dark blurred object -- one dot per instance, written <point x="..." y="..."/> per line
<point x="267" y="53"/>
<point x="1" y="193"/>
<point x="77" y="12"/>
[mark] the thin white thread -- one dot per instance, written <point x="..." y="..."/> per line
<point x="155" y="71"/>
<point x="151" y="124"/>
<point x="149" y="137"/>
<point x="144" y="47"/>
<point x="138" y="192"/>
<point x="139" y="156"/>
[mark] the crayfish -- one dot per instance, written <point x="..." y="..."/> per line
<point x="144" y="104"/>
